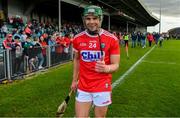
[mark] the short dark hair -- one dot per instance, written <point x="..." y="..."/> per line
<point x="16" y="37"/>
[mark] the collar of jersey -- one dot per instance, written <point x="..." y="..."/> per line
<point x="100" y="33"/>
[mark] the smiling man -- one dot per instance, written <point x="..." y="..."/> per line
<point x="97" y="55"/>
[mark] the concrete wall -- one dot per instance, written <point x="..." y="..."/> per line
<point x="16" y="7"/>
<point x="0" y="4"/>
<point x="141" y="29"/>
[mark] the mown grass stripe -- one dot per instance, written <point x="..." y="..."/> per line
<point x="119" y="80"/>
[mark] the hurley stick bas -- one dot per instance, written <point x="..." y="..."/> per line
<point x="62" y="107"/>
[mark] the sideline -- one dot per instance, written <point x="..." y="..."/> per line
<point x="119" y="80"/>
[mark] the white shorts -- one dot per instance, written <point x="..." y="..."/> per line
<point x="98" y="98"/>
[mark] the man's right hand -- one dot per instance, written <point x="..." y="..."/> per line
<point x="74" y="85"/>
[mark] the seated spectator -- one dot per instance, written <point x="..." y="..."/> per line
<point x="4" y="30"/>
<point x="27" y="30"/>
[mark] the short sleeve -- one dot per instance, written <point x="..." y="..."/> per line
<point x="114" y="49"/>
<point x="75" y="45"/>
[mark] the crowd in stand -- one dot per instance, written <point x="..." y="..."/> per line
<point x="31" y="40"/>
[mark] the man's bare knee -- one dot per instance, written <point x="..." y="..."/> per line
<point x="82" y="109"/>
<point x="100" y="111"/>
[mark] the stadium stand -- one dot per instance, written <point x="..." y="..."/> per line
<point x="42" y="30"/>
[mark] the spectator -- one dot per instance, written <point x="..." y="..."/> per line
<point x="59" y="48"/>
<point x="143" y="40"/>
<point x="38" y="50"/>
<point x="134" y="37"/>
<point x="52" y="44"/>
<point x="18" y="53"/>
<point x="67" y="42"/>
<point x="156" y="38"/>
<point x="44" y="46"/>
<point x="27" y="30"/>
<point x="139" y="38"/>
<point x="161" y="40"/>
<point x="150" y="38"/>
<point x="4" y="30"/>
<point x="126" y="39"/>
<point x="30" y="54"/>
<point x="8" y="42"/>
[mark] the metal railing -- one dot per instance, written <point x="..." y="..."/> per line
<point x="2" y="66"/>
<point x="14" y="65"/>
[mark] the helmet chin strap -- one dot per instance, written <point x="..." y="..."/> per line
<point x="95" y="32"/>
<point x="92" y="32"/>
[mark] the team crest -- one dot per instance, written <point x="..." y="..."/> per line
<point x="103" y="45"/>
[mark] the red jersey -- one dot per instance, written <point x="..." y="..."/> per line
<point x="44" y="44"/>
<point x="88" y="47"/>
<point x="28" y="30"/>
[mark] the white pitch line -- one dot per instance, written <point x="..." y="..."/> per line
<point x="118" y="81"/>
<point x="160" y="62"/>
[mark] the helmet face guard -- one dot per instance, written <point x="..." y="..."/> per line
<point x="93" y="10"/>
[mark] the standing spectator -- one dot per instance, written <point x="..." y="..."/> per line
<point x="139" y="38"/>
<point x="143" y="40"/>
<point x="44" y="46"/>
<point x="52" y="44"/>
<point x="30" y="54"/>
<point x="45" y="36"/>
<point x="66" y="46"/>
<point x="126" y="39"/>
<point x="134" y="37"/>
<point x="161" y="40"/>
<point x="38" y="50"/>
<point x="8" y="42"/>
<point x="156" y="38"/>
<point x="150" y="38"/>
<point x="18" y="53"/>
<point x="121" y="38"/>
<point x="59" y="48"/>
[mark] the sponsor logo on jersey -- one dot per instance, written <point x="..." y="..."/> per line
<point x="106" y="102"/>
<point x="83" y="44"/>
<point x="89" y="55"/>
